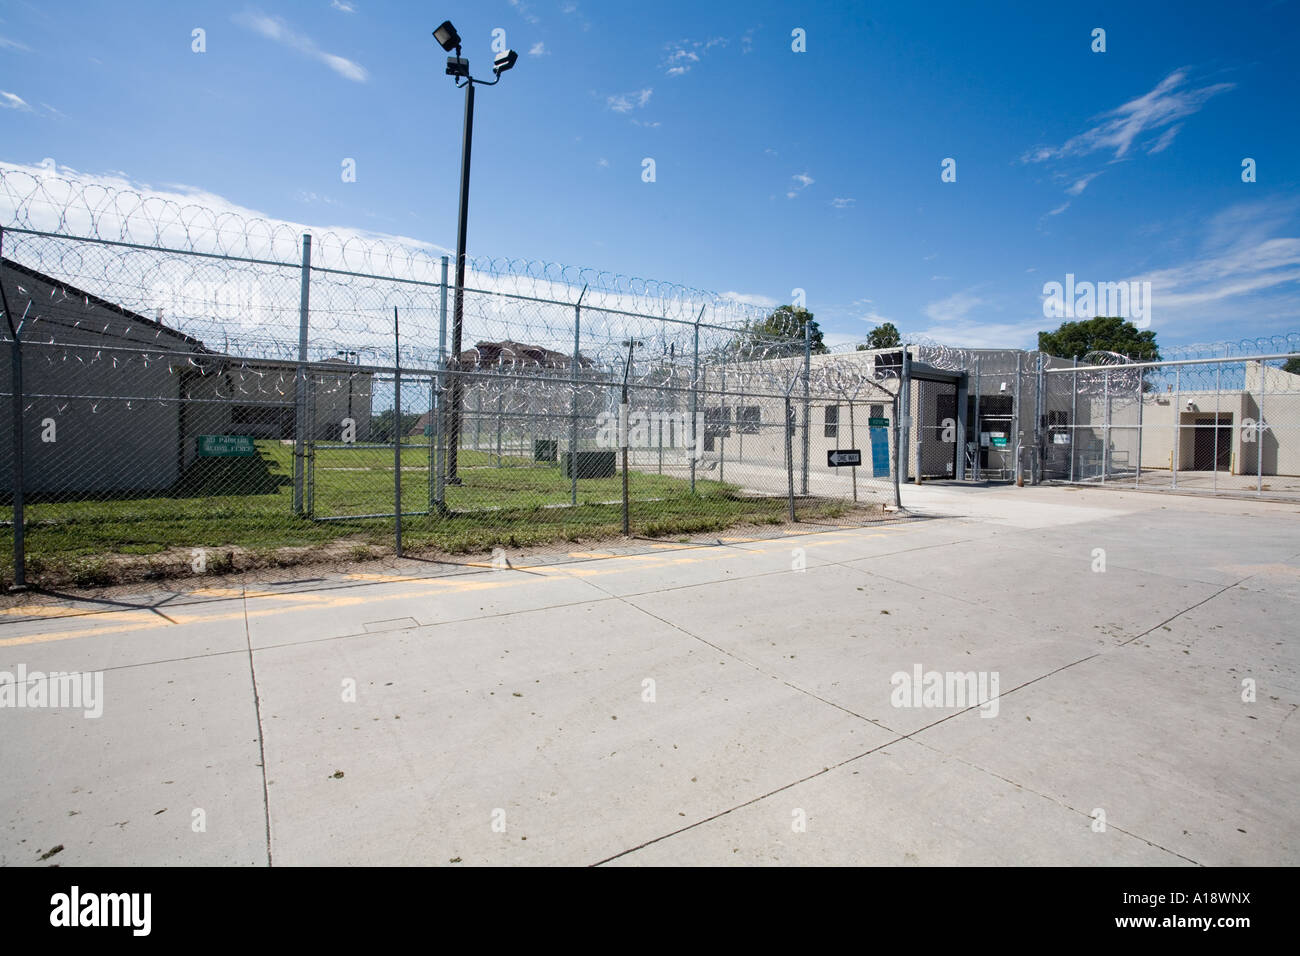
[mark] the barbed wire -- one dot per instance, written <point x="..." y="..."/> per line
<point x="229" y="280"/>
<point x="55" y="204"/>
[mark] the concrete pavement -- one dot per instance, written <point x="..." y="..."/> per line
<point x="730" y="701"/>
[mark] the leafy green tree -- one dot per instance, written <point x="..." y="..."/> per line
<point x="1292" y="365"/>
<point x="883" y="336"/>
<point x="781" y="334"/>
<point x="381" y="425"/>
<point x="1104" y="333"/>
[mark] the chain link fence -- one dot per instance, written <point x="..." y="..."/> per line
<point x="189" y="392"/>
<point x="1227" y="425"/>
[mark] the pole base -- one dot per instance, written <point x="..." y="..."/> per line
<point x="454" y="480"/>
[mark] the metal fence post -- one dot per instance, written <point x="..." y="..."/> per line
<point x="309" y="506"/>
<point x="853" y="443"/>
<point x="300" y="417"/>
<point x="978" y="446"/>
<point x="1074" y="414"/>
<point x="1105" y="426"/>
<point x="1218" y="405"/>
<point x="789" y="455"/>
<point x="1259" y="429"/>
<point x="695" y="398"/>
<point x="807" y="401"/>
<point x="1137" y="477"/>
<point x="16" y="365"/>
<point x="573" y="418"/>
<point x="1178" y="430"/>
<point x="439" y="390"/>
<point x="624" y="409"/>
<point x="1040" y="412"/>
<point x="1015" y="424"/>
<point x="898" y="498"/>
<point x="397" y="435"/>
<point x="429" y="431"/>
<point x="905" y="414"/>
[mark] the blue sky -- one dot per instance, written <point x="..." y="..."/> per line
<point x="775" y="169"/>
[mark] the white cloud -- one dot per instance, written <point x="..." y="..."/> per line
<point x="972" y="334"/>
<point x="537" y="49"/>
<point x="1060" y="209"/>
<point x="1165" y="139"/>
<point x="343" y="6"/>
<point x="13" y="101"/>
<point x="626" y="102"/>
<point x="570" y="9"/>
<point x="953" y="308"/>
<point x="746" y="298"/>
<point x="522" y="9"/>
<point x="302" y="196"/>
<point x="839" y="203"/>
<point x="603" y="162"/>
<point x="1122" y="127"/>
<point x="684" y="54"/>
<point x="1081" y="184"/>
<point x="274" y="28"/>
<point x="8" y="44"/>
<point x="801" y="182"/>
<point x="1241" y="258"/>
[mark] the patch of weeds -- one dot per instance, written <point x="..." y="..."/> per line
<point x="90" y="572"/>
<point x="222" y="562"/>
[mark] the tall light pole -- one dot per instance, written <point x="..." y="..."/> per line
<point x="458" y="67"/>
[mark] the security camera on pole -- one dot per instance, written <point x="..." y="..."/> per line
<point x="458" y="67"/>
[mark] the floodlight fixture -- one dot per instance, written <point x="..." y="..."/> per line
<point x="447" y="36"/>
<point x="504" y="61"/>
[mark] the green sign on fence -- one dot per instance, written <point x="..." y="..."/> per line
<point x="226" y="446"/>
<point x="878" y="422"/>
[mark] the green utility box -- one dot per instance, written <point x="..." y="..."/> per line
<point x="591" y="464"/>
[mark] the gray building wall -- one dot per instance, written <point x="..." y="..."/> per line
<point x="114" y="402"/>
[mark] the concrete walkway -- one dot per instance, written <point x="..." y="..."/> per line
<point x="719" y="703"/>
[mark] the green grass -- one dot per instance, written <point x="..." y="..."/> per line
<point x="521" y="504"/>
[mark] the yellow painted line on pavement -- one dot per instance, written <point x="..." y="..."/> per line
<point x="430" y="587"/>
<point x="43" y="613"/>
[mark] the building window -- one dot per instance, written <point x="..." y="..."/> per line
<point x="717" y="422"/>
<point x="889" y="365"/>
<point x="832" y="428"/>
<point x="748" y="418"/>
